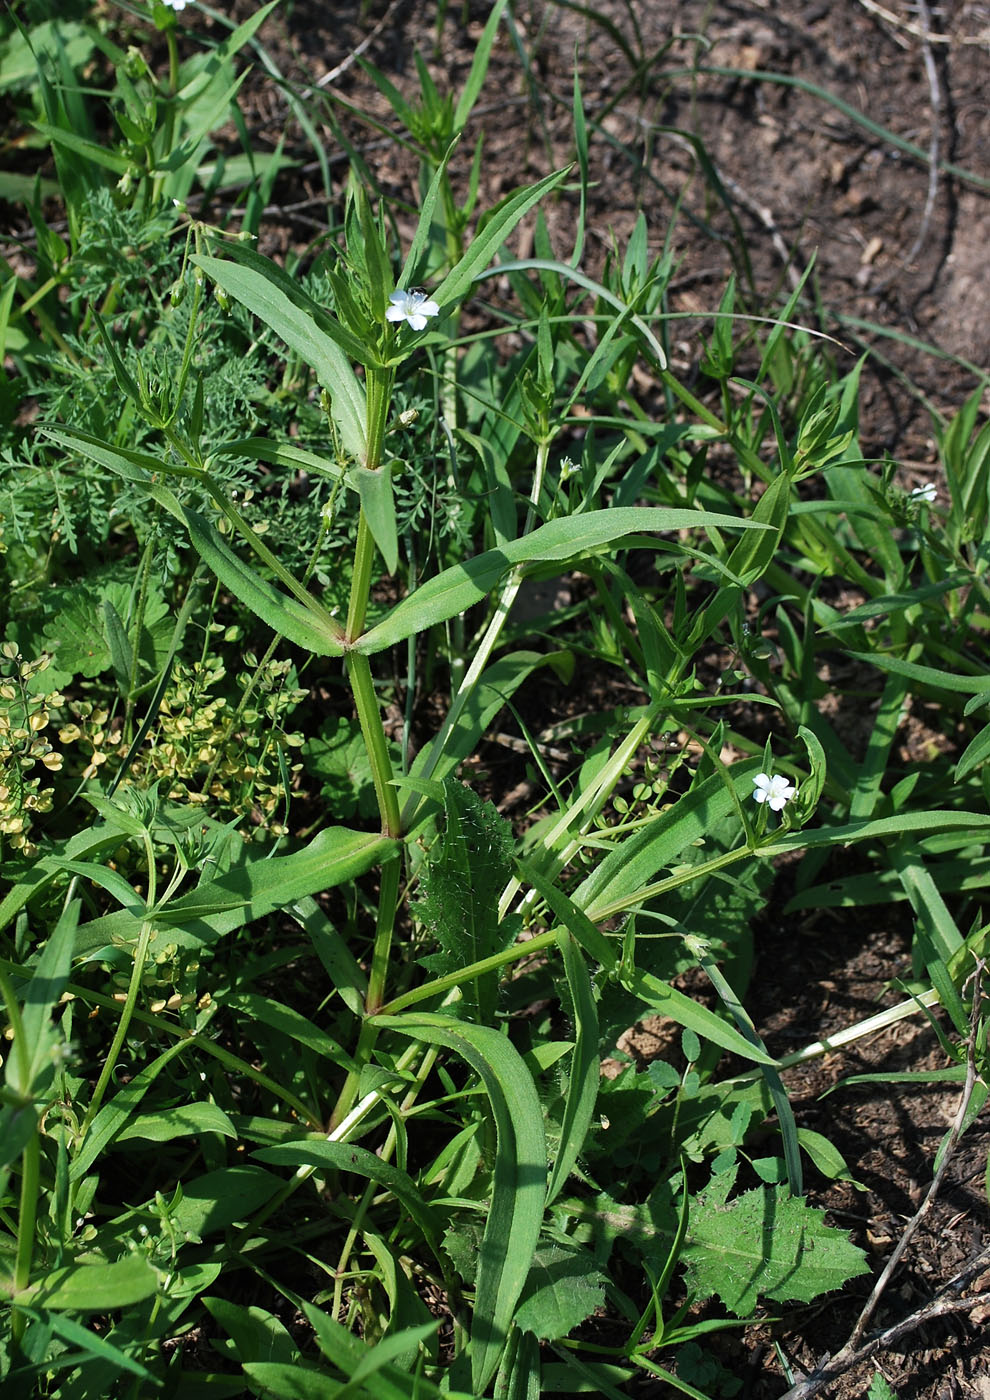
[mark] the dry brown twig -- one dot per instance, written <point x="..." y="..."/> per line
<point x="920" y="32"/>
<point x="355" y="54"/>
<point x="946" y="1302"/>
<point x="935" y="99"/>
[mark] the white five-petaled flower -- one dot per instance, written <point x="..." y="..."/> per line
<point x="775" y="791"/>
<point x="413" y="307"/>
<point x="928" y="492"/>
<point x="175" y="4"/>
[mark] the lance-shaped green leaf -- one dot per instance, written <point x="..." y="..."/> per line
<point x="456" y="589"/>
<point x="927" y="675"/>
<point x="307" y="626"/>
<point x="907" y="823"/>
<point x="280" y="454"/>
<point x="632" y="865"/>
<point x="92" y="841"/>
<point x="348" y="1157"/>
<point x="378" y="504"/>
<point x="496" y="230"/>
<point x="479" y="66"/>
<point x="282" y="614"/>
<point x="320" y="341"/>
<point x="585" y="1067"/>
<point x="30" y="1066"/>
<point x="139" y="468"/>
<point x="519" y="1179"/>
<point x="93" y="1287"/>
<point x="253" y="890"/>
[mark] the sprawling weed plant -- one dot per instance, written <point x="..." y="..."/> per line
<point x="304" y="1089"/>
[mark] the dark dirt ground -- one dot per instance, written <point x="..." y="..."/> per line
<point x="897" y="246"/>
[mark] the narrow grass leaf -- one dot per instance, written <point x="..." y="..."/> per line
<point x="661" y="996"/>
<point x="282" y="614"/>
<point x="348" y="1157"/>
<point x="479" y="66"/>
<point x="927" y="675"/>
<point x="584" y="1070"/>
<point x="290" y="1023"/>
<point x="588" y="283"/>
<point x="39" y="998"/>
<point x="319" y="340"/>
<point x="925" y="823"/>
<point x="975" y="754"/>
<point x="926" y="901"/>
<point x="488" y="241"/>
<point x="456" y="589"/>
<point x="519" y="1179"/>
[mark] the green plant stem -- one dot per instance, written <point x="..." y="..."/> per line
<point x="344" y="1258"/>
<point x="339" y="1131"/>
<point x="388" y="902"/>
<point x="364" y="558"/>
<point x="347" y="1098"/>
<point x="588" y="804"/>
<point x="110" y="1063"/>
<point x="142" y="604"/>
<point x="369" y="717"/>
<point x="21" y="1051"/>
<point x="447" y="983"/>
<point x="785" y="1114"/>
<point x="26" y="1220"/>
<point x="167" y="128"/>
<point x="673" y="882"/>
<point x="385" y="1153"/>
<point x="190" y="341"/>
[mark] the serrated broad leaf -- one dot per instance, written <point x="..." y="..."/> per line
<point x="564" y="1287"/>
<point x="765" y="1243"/>
<point x="461" y="887"/>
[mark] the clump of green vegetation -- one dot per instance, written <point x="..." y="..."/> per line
<point x="304" y="1037"/>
